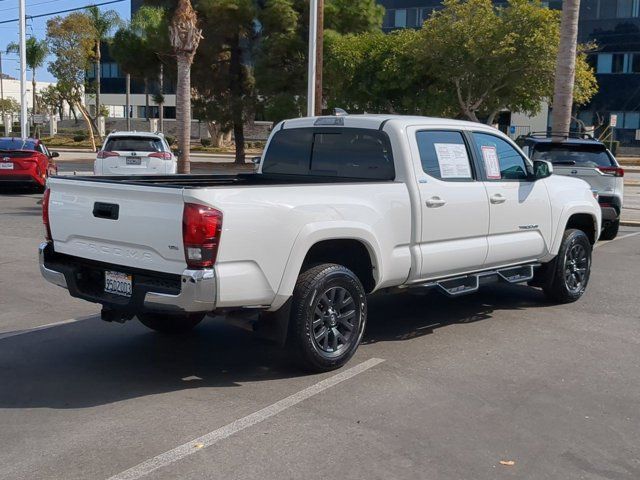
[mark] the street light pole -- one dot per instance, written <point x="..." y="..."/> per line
<point x="311" y="71"/>
<point x="319" y="54"/>
<point x="23" y="70"/>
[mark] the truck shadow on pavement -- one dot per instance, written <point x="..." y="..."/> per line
<point x="91" y="362"/>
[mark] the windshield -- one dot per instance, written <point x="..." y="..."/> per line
<point x="578" y="155"/>
<point x="134" y="144"/>
<point x="17" y="144"/>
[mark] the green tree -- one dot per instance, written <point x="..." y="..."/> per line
<point x="141" y="46"/>
<point x="36" y="54"/>
<point x="281" y="55"/>
<point x="72" y="42"/>
<point x="9" y="105"/>
<point x="491" y="59"/>
<point x="102" y="24"/>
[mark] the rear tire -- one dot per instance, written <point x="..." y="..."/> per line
<point x="328" y="317"/>
<point x="610" y="231"/>
<point x="170" y="324"/>
<point x="567" y="277"/>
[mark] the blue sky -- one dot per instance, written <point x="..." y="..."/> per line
<point x="37" y="27"/>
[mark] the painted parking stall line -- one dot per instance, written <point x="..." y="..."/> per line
<point x="44" y="327"/>
<point x="236" y="426"/>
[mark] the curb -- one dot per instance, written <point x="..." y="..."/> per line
<point x="629" y="223"/>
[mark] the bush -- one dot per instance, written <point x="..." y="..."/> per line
<point x="206" y="142"/>
<point x="81" y="137"/>
<point x="170" y="140"/>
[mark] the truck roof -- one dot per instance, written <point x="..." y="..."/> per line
<point x="377" y="120"/>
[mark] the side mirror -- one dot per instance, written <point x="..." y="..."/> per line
<point x="542" y="169"/>
<point x="255" y="160"/>
<point x="54" y="154"/>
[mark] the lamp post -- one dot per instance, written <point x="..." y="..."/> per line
<point x="24" y="132"/>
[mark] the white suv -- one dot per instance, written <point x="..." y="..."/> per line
<point x="582" y="156"/>
<point x="135" y="153"/>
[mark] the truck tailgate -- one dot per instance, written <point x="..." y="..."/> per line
<point x="132" y="225"/>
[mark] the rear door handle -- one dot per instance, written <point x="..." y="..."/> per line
<point x="497" y="198"/>
<point x="435" y="202"/>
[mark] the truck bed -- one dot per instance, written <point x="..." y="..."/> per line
<point x="218" y="180"/>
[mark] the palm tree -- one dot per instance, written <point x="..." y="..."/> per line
<point x="36" y="53"/>
<point x="565" y="68"/>
<point x="103" y="23"/>
<point x="185" y="37"/>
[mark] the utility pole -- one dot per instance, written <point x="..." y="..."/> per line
<point x="23" y="71"/>
<point x="311" y="70"/>
<point x="1" y="79"/>
<point x="161" y="106"/>
<point x="128" y="101"/>
<point x="319" y="54"/>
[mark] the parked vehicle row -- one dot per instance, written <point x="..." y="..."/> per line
<point x="340" y="208"/>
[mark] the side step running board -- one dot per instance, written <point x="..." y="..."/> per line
<point x="466" y="284"/>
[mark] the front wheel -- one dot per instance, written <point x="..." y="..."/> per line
<point x="568" y="278"/>
<point x="328" y="317"/>
<point x="170" y="324"/>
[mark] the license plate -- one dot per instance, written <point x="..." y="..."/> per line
<point x="6" y="166"/>
<point x="118" y="283"/>
<point x="134" y="161"/>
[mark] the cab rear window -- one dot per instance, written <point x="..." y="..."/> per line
<point x="332" y="152"/>
<point x="573" y="155"/>
<point x="134" y="144"/>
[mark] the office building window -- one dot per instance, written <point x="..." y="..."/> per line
<point x="631" y="120"/>
<point x="627" y="8"/>
<point x="412" y="17"/>
<point x="617" y="63"/>
<point x="635" y="63"/>
<point x="401" y="18"/>
<point x="389" y="19"/>
<point x="604" y="63"/>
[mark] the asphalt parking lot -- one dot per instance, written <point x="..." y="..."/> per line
<point x="440" y="389"/>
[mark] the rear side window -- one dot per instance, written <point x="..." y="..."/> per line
<point x="333" y="152"/>
<point x="578" y="155"/>
<point x="134" y="144"/>
<point x="444" y="155"/>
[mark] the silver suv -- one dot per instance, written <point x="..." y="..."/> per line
<point x="582" y="156"/>
<point x="135" y="153"/>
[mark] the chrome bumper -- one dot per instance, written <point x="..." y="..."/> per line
<point x="197" y="290"/>
<point x="51" y="276"/>
<point x="198" y="294"/>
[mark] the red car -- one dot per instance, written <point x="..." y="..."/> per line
<point x="25" y="162"/>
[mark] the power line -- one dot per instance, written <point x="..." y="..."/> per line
<point x="63" y="11"/>
<point x="30" y="5"/>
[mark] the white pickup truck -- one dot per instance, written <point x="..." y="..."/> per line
<point x="340" y="207"/>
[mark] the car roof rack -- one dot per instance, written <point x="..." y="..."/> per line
<point x="566" y="135"/>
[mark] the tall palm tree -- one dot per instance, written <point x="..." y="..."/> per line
<point x="36" y="53"/>
<point x="565" y="68"/>
<point x="103" y="23"/>
<point x="185" y="37"/>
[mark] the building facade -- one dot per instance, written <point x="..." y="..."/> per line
<point x="614" y="25"/>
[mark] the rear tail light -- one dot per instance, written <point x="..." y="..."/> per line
<point x="45" y="215"/>
<point x="105" y="154"/>
<point x="613" y="171"/>
<point x="162" y="155"/>
<point x="201" y="227"/>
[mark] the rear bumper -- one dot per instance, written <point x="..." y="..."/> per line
<point x="21" y="178"/>
<point x="193" y="291"/>
<point x="611" y="208"/>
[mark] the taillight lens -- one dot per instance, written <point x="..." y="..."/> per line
<point x="201" y="227"/>
<point x="105" y="154"/>
<point x="45" y="215"/>
<point x="613" y="171"/>
<point x="162" y="155"/>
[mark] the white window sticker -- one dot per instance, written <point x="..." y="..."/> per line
<point x="491" y="163"/>
<point x="453" y="160"/>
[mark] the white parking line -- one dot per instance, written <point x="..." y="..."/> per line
<point x="215" y="436"/>
<point x="42" y="327"/>
<point x="601" y="244"/>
